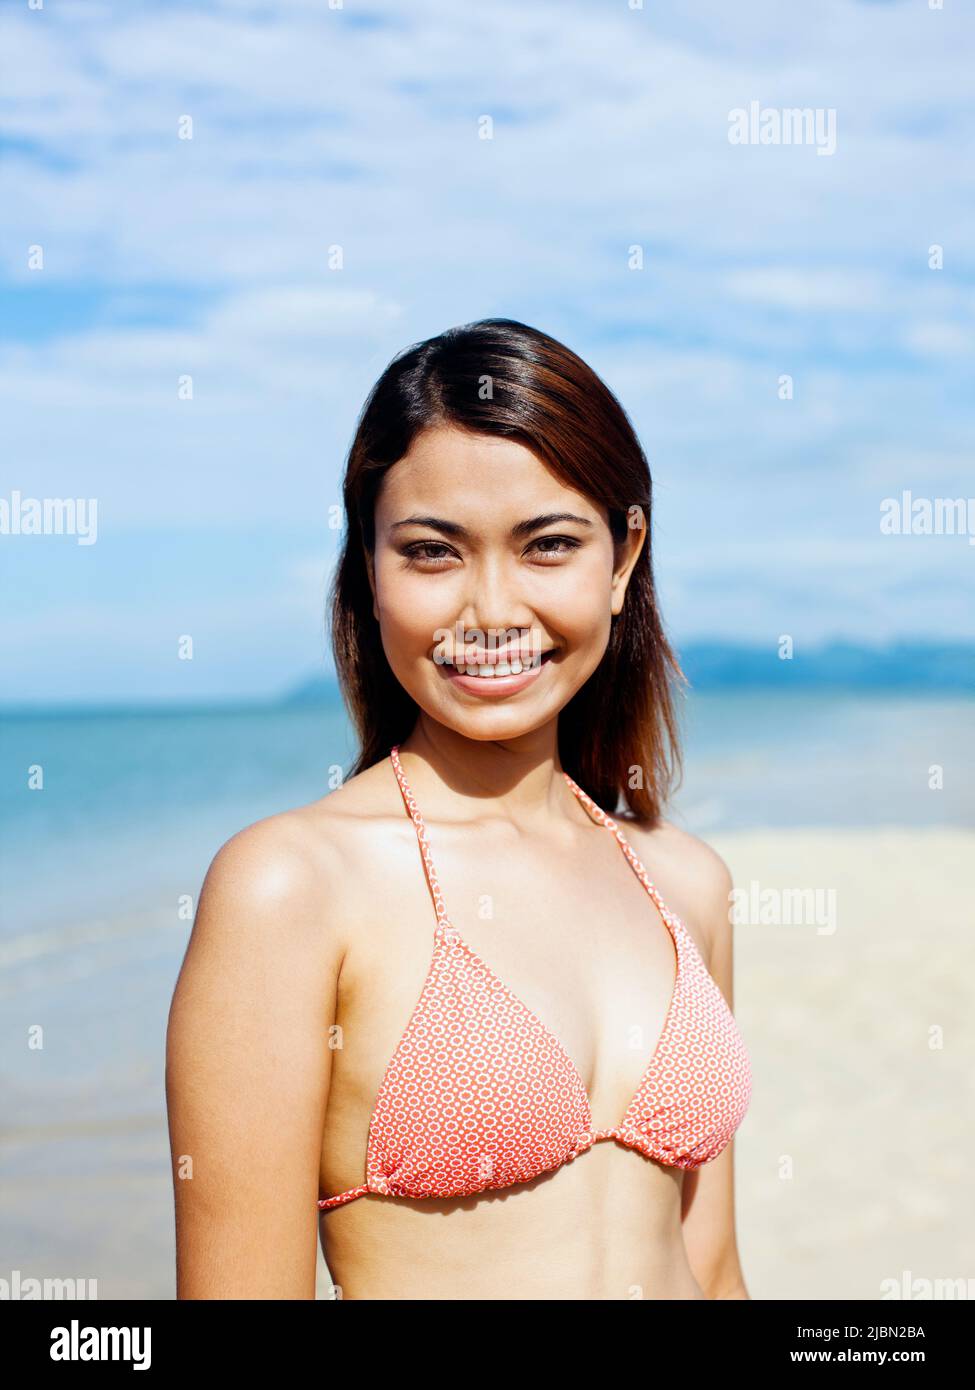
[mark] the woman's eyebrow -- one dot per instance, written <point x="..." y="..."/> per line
<point x="522" y="528"/>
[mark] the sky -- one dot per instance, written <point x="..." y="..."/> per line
<point x="131" y="258"/>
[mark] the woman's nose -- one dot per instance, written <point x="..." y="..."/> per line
<point x="496" y="601"/>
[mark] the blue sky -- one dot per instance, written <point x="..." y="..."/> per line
<point x="358" y="127"/>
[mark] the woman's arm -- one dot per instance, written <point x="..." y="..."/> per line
<point x="248" y="1066"/>
<point x="708" y="1221"/>
<point x="708" y="1196"/>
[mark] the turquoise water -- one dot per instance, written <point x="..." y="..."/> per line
<point x="134" y="805"/>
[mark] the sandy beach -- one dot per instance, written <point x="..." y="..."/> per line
<point x="852" y="1165"/>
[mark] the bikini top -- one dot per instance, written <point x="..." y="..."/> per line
<point x="480" y="1094"/>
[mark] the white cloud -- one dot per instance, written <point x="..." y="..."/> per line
<point x="939" y="339"/>
<point x="809" y="288"/>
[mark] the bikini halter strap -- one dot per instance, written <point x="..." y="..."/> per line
<point x="421" y="835"/>
<point x="597" y="813"/>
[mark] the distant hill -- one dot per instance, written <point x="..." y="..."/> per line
<point x="901" y="666"/>
<point x="836" y="665"/>
<point x="316" y="690"/>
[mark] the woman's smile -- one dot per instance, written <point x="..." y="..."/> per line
<point x="494" y="678"/>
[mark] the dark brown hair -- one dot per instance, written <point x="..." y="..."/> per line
<point x="500" y="377"/>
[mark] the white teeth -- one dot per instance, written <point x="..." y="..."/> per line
<point x="514" y="667"/>
<point x="488" y="673"/>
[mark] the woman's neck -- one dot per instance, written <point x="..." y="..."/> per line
<point x="521" y="778"/>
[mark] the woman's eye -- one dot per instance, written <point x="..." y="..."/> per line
<point x="419" y="551"/>
<point x="565" y="544"/>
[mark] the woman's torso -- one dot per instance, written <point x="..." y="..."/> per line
<point x="559" y="916"/>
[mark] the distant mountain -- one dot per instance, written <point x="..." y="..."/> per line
<point x="316" y="690"/>
<point x="905" y="666"/>
<point x="836" y="665"/>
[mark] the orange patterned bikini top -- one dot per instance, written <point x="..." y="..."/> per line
<point x="480" y="1094"/>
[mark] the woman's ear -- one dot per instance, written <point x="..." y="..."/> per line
<point x="629" y="552"/>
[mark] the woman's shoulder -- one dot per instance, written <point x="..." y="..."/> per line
<point x="691" y="875"/>
<point x="304" y="859"/>
<point x="679" y="847"/>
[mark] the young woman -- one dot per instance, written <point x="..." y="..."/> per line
<point x="463" y="1009"/>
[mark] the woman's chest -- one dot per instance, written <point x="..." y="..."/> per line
<point x="561" y="951"/>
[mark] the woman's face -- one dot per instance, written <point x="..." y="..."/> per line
<point x="482" y="552"/>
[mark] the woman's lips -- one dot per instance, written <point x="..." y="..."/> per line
<point x="495" y="685"/>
